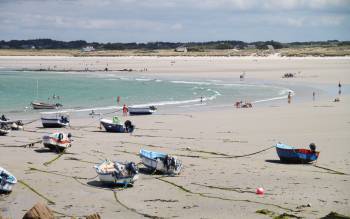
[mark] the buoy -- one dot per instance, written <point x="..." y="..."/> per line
<point x="260" y="191"/>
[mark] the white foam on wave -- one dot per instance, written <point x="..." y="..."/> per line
<point x="284" y="94"/>
<point x="161" y="103"/>
<point x="191" y="82"/>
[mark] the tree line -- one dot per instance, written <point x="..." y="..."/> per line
<point x="191" y="46"/>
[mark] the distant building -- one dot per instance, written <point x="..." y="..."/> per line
<point x="88" y="49"/>
<point x="181" y="49"/>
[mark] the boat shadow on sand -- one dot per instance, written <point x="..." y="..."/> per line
<point x="286" y="163"/>
<point x="147" y="171"/>
<point x="47" y="150"/>
<point x="103" y="185"/>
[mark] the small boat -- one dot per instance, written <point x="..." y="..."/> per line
<point x="142" y="110"/>
<point x="57" y="141"/>
<point x="4" y="129"/>
<point x="161" y="162"/>
<point x="289" y="154"/>
<point x="117" y="173"/>
<point x="55" y="121"/>
<point x="11" y="124"/>
<point x="7" y="180"/>
<point x="42" y="105"/>
<point x="4" y="132"/>
<point x="116" y="125"/>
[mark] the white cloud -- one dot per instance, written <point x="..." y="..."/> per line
<point x="176" y="26"/>
<point x="295" y="22"/>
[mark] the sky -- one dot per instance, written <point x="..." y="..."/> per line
<point x="175" y="20"/>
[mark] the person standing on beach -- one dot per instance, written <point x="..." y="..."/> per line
<point x="118" y="100"/>
<point x="125" y="110"/>
<point x="289" y="97"/>
<point x="201" y="99"/>
<point x="313" y="96"/>
<point x="339" y="86"/>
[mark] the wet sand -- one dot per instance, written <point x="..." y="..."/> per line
<point x="217" y="181"/>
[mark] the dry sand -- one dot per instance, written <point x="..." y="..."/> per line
<point x="211" y="185"/>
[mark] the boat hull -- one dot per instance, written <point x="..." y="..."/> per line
<point x="109" y="126"/>
<point x="53" y="143"/>
<point x="54" y="123"/>
<point x="7" y="180"/>
<point x="155" y="162"/>
<point x="36" y="105"/>
<point x="115" y="173"/>
<point x="298" y="156"/>
<point x="4" y="132"/>
<point x="111" y="179"/>
<point x="140" y="111"/>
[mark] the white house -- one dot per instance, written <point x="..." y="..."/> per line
<point x="181" y="49"/>
<point x="88" y="49"/>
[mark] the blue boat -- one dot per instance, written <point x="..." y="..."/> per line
<point x="116" y="125"/>
<point x="7" y="180"/>
<point x="156" y="161"/>
<point x="290" y="154"/>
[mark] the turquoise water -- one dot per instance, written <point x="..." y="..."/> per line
<point x="81" y="92"/>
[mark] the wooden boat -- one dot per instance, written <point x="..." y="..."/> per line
<point x="7" y="180"/>
<point x="42" y="105"/>
<point x="117" y="173"/>
<point x="142" y="110"/>
<point x="57" y="141"/>
<point x="116" y="125"/>
<point x="161" y="162"/>
<point x="55" y="120"/>
<point x="289" y="154"/>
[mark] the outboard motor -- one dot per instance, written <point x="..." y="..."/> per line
<point x="60" y="137"/>
<point x="312" y="147"/>
<point x="153" y="108"/>
<point x="129" y="126"/>
<point x="131" y="167"/>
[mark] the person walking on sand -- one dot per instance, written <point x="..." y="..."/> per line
<point x="289" y="97"/>
<point x="125" y="110"/>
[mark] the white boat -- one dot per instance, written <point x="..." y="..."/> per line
<point x="117" y="173"/>
<point x="161" y="162"/>
<point x="57" y="141"/>
<point x="42" y="105"/>
<point x="7" y="180"/>
<point x="54" y="120"/>
<point x="11" y="124"/>
<point x="4" y="132"/>
<point x="4" y="129"/>
<point x="142" y="110"/>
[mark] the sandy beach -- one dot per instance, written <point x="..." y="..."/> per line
<point x="221" y="171"/>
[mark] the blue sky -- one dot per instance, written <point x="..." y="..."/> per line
<point x="175" y="20"/>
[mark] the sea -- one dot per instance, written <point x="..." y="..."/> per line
<point x="99" y="91"/>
